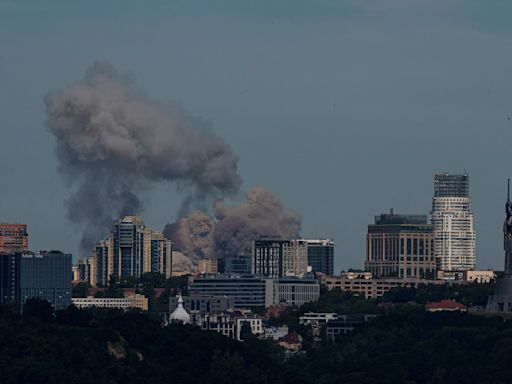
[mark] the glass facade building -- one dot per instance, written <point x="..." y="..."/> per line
<point x="26" y="275"/>
<point x="321" y="255"/>
<point x="246" y="291"/>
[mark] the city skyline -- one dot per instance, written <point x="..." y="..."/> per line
<point x="435" y="94"/>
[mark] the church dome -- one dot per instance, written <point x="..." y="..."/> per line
<point x="179" y="315"/>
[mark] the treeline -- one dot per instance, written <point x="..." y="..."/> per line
<point x="404" y="345"/>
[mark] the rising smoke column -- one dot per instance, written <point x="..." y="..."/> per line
<point x="112" y="142"/>
<point x="234" y="227"/>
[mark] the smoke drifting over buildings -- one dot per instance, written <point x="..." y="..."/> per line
<point x="233" y="227"/>
<point x="112" y="143"/>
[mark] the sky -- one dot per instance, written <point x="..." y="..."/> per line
<point x="343" y="108"/>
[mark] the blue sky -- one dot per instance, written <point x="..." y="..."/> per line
<point x="342" y="108"/>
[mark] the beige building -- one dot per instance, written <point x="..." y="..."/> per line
<point x="371" y="288"/>
<point x="125" y="303"/>
<point x="295" y="258"/>
<point x="207" y="266"/>
<point x="84" y="271"/>
<point x="400" y="246"/>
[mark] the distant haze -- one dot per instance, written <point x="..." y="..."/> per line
<point x="343" y="109"/>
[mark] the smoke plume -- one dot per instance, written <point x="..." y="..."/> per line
<point x="233" y="227"/>
<point x="112" y="143"/>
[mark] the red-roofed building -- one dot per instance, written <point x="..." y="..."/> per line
<point x="445" y="305"/>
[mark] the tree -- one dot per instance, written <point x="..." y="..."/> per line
<point x="39" y="308"/>
<point x="81" y="290"/>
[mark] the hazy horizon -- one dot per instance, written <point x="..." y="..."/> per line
<point x="343" y="109"/>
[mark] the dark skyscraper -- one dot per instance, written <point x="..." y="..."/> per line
<point x="46" y="275"/>
<point x="321" y="255"/>
<point x="9" y="277"/>
<point x="27" y="275"/>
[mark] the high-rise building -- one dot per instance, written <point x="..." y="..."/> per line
<point x="9" y="277"/>
<point x="321" y="255"/>
<point x="26" y="275"/>
<point x="295" y="258"/>
<point x="46" y="275"/>
<point x="400" y="246"/>
<point x="13" y="238"/>
<point x="267" y="257"/>
<point x="84" y="271"/>
<point x="452" y="219"/>
<point x="131" y="250"/>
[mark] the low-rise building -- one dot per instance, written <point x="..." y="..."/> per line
<point x="295" y="291"/>
<point x="317" y="318"/>
<point x="291" y="342"/>
<point x="371" y="288"/>
<point x="249" y="291"/>
<point x="230" y="323"/>
<point x="345" y="324"/>
<point x="125" y="303"/>
<point x="275" y="333"/>
<point x="479" y="276"/>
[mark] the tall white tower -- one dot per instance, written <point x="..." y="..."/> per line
<point x="452" y="218"/>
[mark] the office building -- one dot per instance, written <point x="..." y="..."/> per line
<point x="452" y="219"/>
<point x="135" y="301"/>
<point x="295" y="258"/>
<point x="13" y="238"/>
<point x="131" y="250"/>
<point x="295" y="291"/>
<point x="237" y="264"/>
<point x="267" y="256"/>
<point x="46" y="275"/>
<point x="321" y="255"/>
<point x="274" y="258"/>
<point x="9" y="277"/>
<point x="249" y="292"/>
<point x="400" y="246"/>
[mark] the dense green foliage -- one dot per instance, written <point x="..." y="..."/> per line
<point x="405" y="344"/>
<point x="467" y="294"/>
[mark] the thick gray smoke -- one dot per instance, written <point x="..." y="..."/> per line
<point x="234" y="227"/>
<point x="112" y="142"/>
